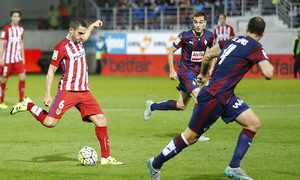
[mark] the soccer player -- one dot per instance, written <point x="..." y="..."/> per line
<point x="223" y="32"/>
<point x="12" y="54"/>
<point x="194" y="44"/>
<point x="217" y="98"/>
<point x="73" y="89"/>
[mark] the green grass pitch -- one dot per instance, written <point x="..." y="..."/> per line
<point x="30" y="151"/>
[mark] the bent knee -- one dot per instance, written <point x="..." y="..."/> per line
<point x="254" y="125"/>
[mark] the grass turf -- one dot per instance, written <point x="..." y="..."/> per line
<point x="30" y="151"/>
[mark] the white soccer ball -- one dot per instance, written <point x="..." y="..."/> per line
<point x="87" y="156"/>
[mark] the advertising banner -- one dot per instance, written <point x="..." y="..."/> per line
<point x="157" y="65"/>
<point x="150" y="43"/>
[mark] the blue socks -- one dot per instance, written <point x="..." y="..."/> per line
<point x="165" y="105"/>
<point x="171" y="150"/>
<point x="242" y="146"/>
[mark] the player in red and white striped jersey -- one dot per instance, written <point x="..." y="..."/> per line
<point x="73" y="89"/>
<point x="223" y="32"/>
<point x="12" y="54"/>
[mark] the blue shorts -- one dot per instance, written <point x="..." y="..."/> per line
<point x="209" y="109"/>
<point x="187" y="83"/>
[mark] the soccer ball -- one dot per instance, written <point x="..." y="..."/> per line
<point x="87" y="156"/>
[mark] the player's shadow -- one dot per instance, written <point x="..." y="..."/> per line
<point x="49" y="158"/>
<point x="52" y="158"/>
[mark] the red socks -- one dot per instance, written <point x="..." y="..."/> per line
<point x="21" y="89"/>
<point x="39" y="113"/>
<point x="2" y="92"/>
<point x="101" y="133"/>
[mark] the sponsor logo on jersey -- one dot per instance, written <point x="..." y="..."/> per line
<point x="197" y="56"/>
<point x="55" y="54"/>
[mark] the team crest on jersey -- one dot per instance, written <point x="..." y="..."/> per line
<point x="55" y="54"/>
<point x="58" y="111"/>
<point x="205" y="42"/>
<point x="3" y="34"/>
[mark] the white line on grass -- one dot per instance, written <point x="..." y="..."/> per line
<point x="142" y="109"/>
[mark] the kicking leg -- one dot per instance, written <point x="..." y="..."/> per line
<point x="39" y="114"/>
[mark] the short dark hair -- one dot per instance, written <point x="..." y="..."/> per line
<point x="256" y="26"/>
<point x="15" y="11"/>
<point x="76" y="22"/>
<point x="222" y="14"/>
<point x="199" y="14"/>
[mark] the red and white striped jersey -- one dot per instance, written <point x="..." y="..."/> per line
<point x="223" y="34"/>
<point x="72" y="59"/>
<point x="12" y="49"/>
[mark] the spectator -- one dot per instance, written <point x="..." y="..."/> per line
<point x="296" y="51"/>
<point x="53" y="21"/>
<point x="100" y="49"/>
<point x="199" y="6"/>
<point x="63" y="15"/>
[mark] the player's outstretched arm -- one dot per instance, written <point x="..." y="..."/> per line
<point x="173" y="73"/>
<point x="266" y="69"/>
<point x="49" y="79"/>
<point x="95" y="24"/>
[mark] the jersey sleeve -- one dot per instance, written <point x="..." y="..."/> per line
<point x="211" y="41"/>
<point x="178" y="43"/>
<point x="4" y="34"/>
<point x="58" y="55"/>
<point x="258" y="54"/>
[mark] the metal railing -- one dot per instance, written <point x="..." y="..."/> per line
<point x="176" y="17"/>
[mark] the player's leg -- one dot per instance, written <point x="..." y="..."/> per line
<point x="251" y="124"/>
<point x="6" y="73"/>
<point x="91" y="112"/>
<point x="180" y="104"/>
<point x="22" y="77"/>
<point x="194" y="95"/>
<point x="2" y="93"/>
<point x="39" y="113"/>
<point x="188" y="137"/>
<point x="100" y="122"/>
<point x="204" y="115"/>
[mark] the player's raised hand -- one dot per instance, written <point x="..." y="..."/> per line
<point x="173" y="75"/>
<point x="201" y="79"/>
<point x="47" y="100"/>
<point x="97" y="23"/>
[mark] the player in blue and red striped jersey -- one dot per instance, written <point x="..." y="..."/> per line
<point x="217" y="98"/>
<point x="194" y="43"/>
<point x="73" y="88"/>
